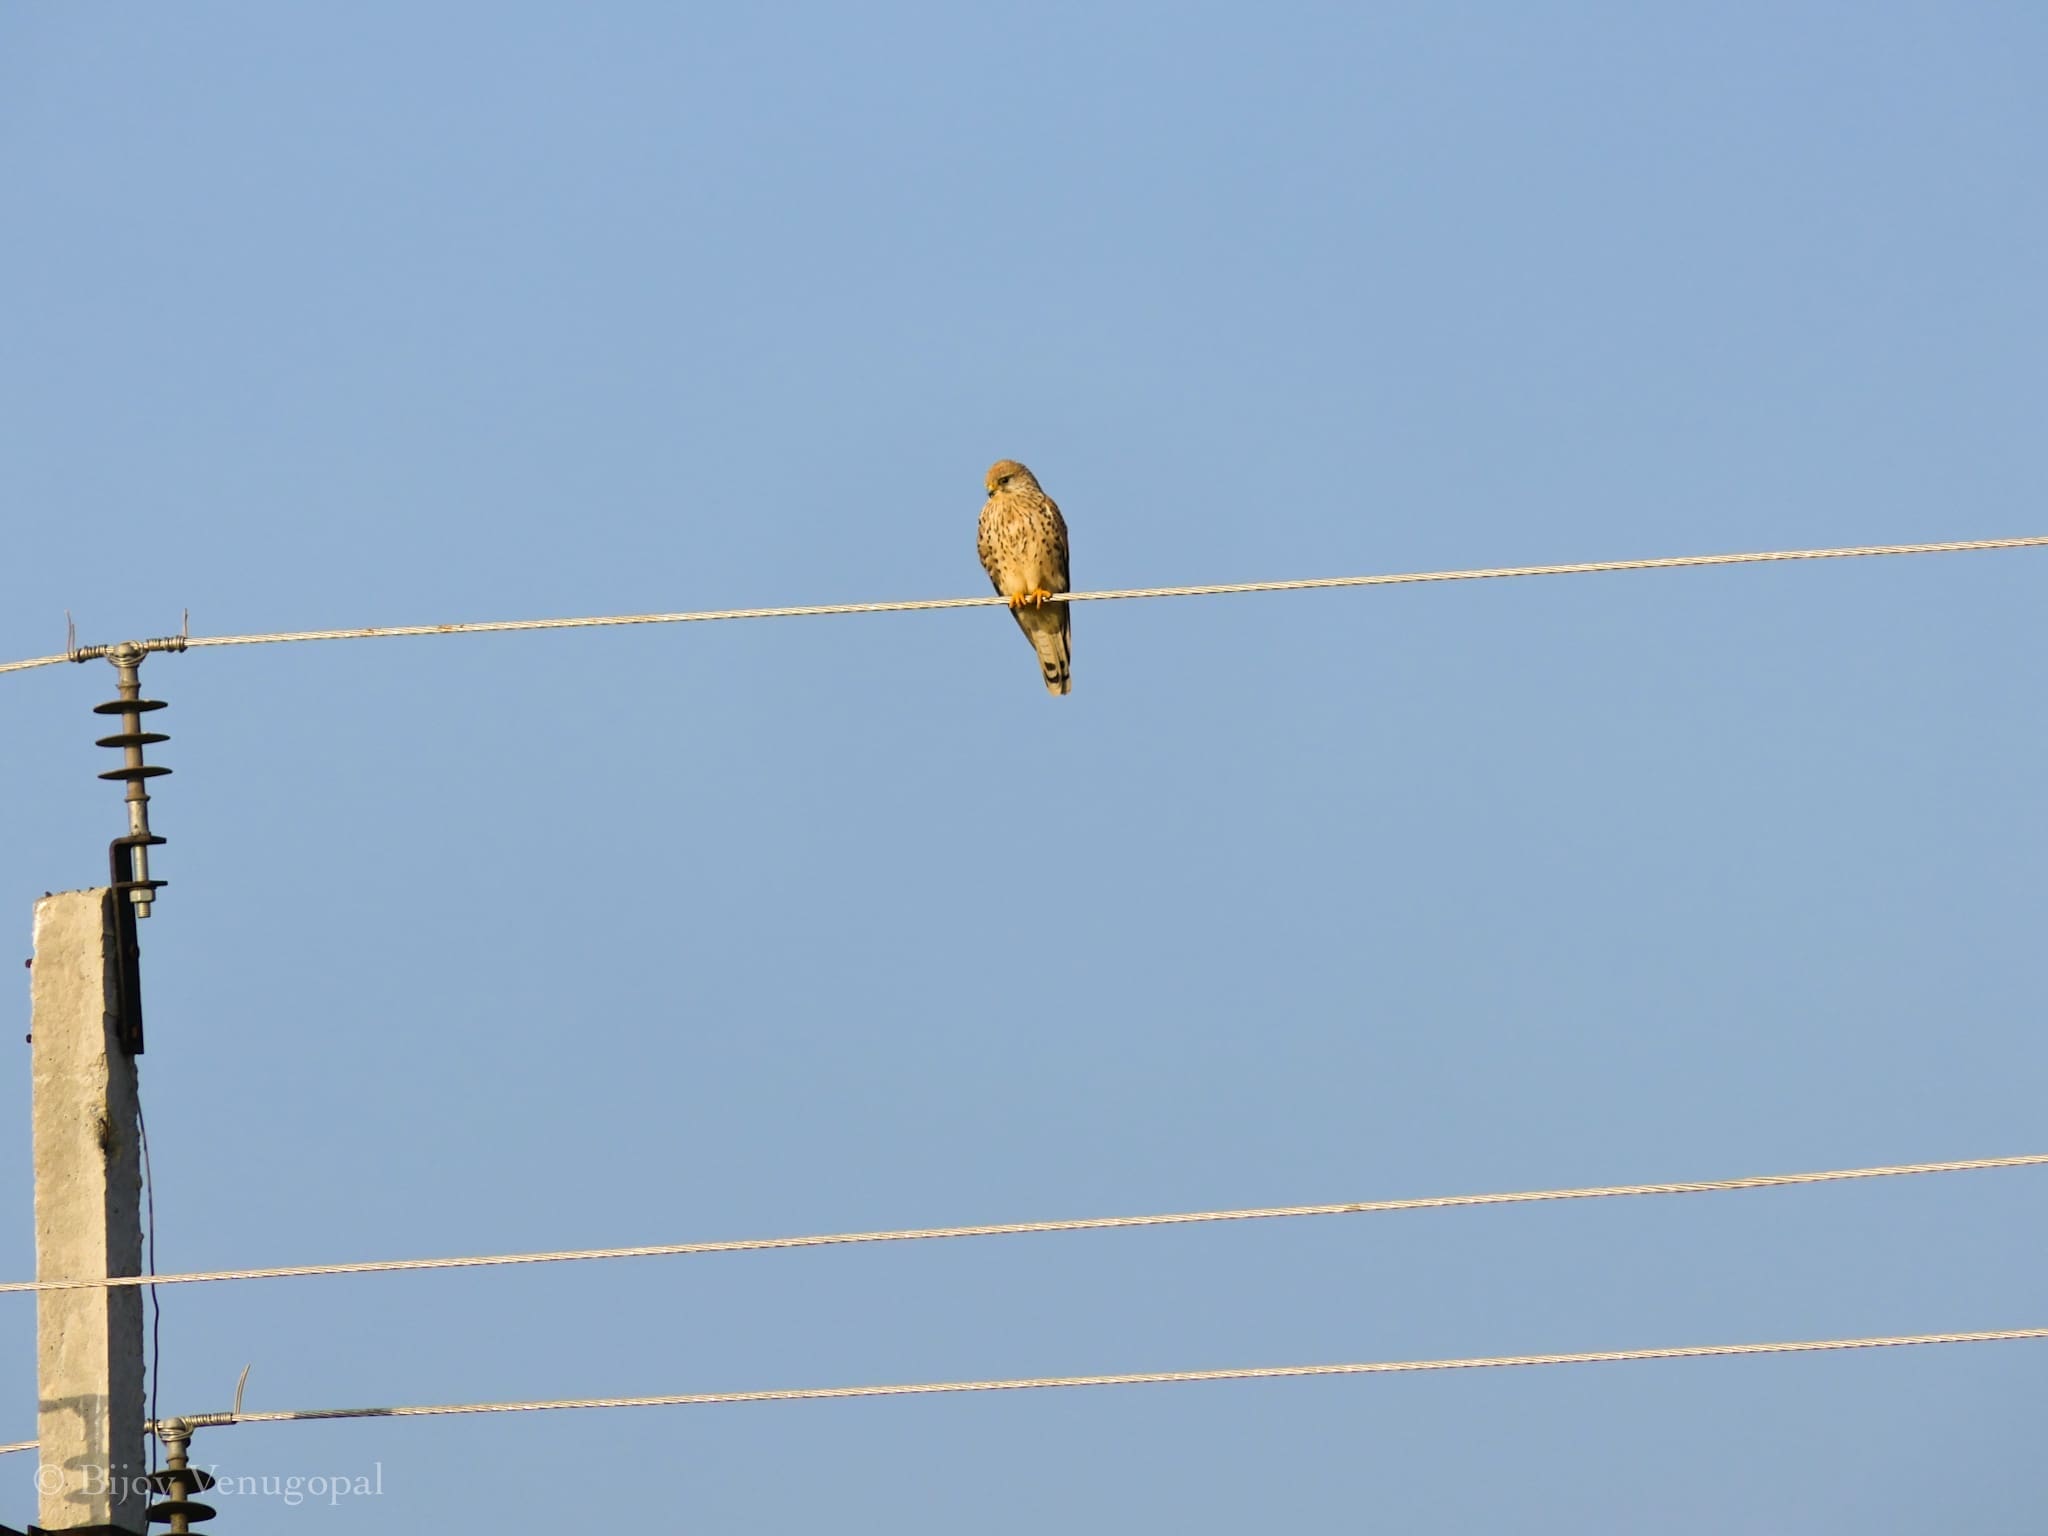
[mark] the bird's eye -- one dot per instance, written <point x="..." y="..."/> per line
<point x="1004" y="481"/>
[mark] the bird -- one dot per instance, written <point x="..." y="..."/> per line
<point x="1023" y="546"/>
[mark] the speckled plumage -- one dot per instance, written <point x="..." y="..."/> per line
<point x="1023" y="546"/>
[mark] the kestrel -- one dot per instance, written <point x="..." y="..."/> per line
<point x="1023" y="545"/>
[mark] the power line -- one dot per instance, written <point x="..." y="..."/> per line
<point x="1132" y="1378"/>
<point x="1018" y="1228"/>
<point x="920" y="605"/>
<point x="1121" y="1379"/>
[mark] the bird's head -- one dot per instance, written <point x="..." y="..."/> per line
<point x="1009" y="475"/>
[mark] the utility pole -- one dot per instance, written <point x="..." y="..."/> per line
<point x="85" y="1033"/>
<point x="88" y="1167"/>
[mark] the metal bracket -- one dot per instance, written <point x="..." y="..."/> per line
<point x="127" y="945"/>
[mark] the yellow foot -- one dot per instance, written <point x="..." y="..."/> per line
<point x="1036" y="599"/>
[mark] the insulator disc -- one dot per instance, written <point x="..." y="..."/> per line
<point x="191" y="1509"/>
<point x="196" y="1479"/>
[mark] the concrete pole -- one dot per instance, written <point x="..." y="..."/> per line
<point x="88" y="1168"/>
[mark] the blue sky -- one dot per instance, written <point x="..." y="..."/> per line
<point x="423" y="314"/>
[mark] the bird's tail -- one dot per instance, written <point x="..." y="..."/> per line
<point x="1054" y="658"/>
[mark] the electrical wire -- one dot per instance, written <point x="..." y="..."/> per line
<point x="1121" y="1379"/>
<point x="156" y="1310"/>
<point x="1074" y="1224"/>
<point x="920" y="605"/>
<point x="1126" y="1378"/>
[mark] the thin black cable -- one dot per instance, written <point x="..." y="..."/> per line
<point x="156" y="1311"/>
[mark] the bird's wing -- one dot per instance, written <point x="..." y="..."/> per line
<point x="984" y="543"/>
<point x="1059" y="547"/>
